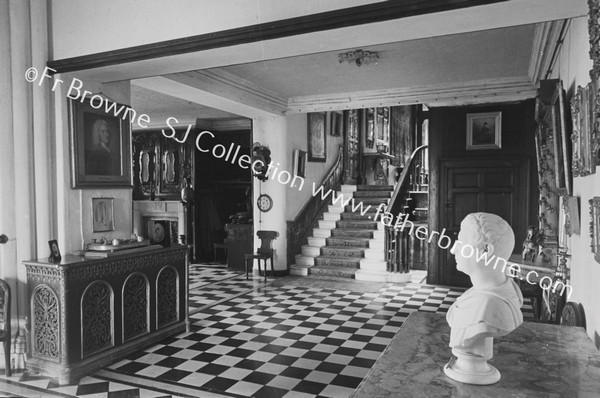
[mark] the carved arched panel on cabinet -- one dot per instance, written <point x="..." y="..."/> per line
<point x="45" y="316"/>
<point x="97" y="318"/>
<point x="136" y="306"/>
<point x="167" y="297"/>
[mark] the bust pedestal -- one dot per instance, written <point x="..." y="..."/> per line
<point x="470" y="365"/>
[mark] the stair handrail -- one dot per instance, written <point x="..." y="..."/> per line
<point x="299" y="228"/>
<point x="396" y="242"/>
<point x="393" y="205"/>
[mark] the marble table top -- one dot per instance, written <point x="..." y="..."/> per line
<point x="535" y="360"/>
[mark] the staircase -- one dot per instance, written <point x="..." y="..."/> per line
<point x="346" y="240"/>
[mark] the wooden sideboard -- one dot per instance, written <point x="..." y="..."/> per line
<point x="87" y="313"/>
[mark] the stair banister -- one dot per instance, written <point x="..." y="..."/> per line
<point x="299" y="229"/>
<point x="396" y="242"/>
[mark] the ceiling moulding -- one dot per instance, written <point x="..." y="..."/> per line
<point x="545" y="42"/>
<point x="224" y="124"/>
<point x="233" y="88"/>
<point x="498" y="90"/>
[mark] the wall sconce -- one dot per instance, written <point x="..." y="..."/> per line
<point x="359" y="57"/>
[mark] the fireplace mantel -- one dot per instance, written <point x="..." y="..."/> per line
<point x="145" y="211"/>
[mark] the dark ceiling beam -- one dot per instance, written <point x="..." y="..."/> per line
<point x="370" y="13"/>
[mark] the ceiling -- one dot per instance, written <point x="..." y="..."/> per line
<point x="492" y="54"/>
<point x="495" y="54"/>
<point x="291" y="78"/>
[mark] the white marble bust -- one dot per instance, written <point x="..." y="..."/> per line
<point x="491" y="308"/>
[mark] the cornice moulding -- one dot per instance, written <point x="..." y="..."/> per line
<point x="232" y="87"/>
<point x="466" y="93"/>
<point x="545" y="41"/>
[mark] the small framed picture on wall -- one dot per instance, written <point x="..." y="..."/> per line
<point x="484" y="130"/>
<point x="103" y="214"/>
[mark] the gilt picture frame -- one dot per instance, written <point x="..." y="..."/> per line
<point x="484" y="131"/>
<point x="99" y="145"/>
<point x="317" y="149"/>
<point x="561" y="141"/>
<point x="299" y="162"/>
<point x="582" y="114"/>
<point x="595" y="227"/>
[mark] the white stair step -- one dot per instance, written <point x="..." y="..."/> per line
<point x="311" y="251"/>
<point x="377" y="244"/>
<point x="317" y="241"/>
<point x="348" y="188"/>
<point x="298" y="270"/>
<point x="363" y="275"/>
<point x="371" y="265"/>
<point x="379" y="234"/>
<point x="335" y="209"/>
<point x="374" y="254"/>
<point x="382" y="276"/>
<point x="304" y="261"/>
<point x="331" y="216"/>
<point x="321" y="232"/>
<point x="326" y="224"/>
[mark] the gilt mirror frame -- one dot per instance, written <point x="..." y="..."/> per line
<point x="581" y="111"/>
<point x="594" y="33"/>
<point x="595" y="227"/>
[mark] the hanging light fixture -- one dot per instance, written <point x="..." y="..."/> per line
<point x="359" y="57"/>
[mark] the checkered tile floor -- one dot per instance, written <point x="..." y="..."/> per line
<point x="249" y="338"/>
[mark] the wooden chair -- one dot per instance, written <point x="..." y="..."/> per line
<point x="222" y="246"/>
<point x="5" y="335"/>
<point x="263" y="253"/>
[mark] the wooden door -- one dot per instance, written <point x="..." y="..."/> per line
<point x="498" y="186"/>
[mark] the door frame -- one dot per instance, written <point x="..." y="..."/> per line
<point x="524" y="163"/>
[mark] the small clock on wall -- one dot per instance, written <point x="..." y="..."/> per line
<point x="264" y="203"/>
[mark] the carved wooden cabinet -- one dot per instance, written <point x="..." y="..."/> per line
<point x="160" y="163"/>
<point x="87" y="313"/>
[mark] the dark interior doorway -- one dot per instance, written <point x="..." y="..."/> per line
<point x="223" y="190"/>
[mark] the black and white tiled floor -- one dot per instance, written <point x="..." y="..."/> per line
<point x="284" y="338"/>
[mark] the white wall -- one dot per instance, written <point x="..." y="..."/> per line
<point x="315" y="171"/>
<point x="74" y="206"/>
<point x="573" y="68"/>
<point x="81" y="27"/>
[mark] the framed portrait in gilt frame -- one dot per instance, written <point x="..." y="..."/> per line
<point x="317" y="151"/>
<point x="100" y="144"/>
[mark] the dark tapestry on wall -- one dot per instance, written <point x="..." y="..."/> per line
<point x="402" y="128"/>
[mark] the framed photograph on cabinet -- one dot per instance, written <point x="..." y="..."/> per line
<point x="317" y="151"/>
<point x="103" y="214"/>
<point x="55" y="256"/>
<point x="100" y="142"/>
<point x="299" y="163"/>
<point x="484" y="130"/>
